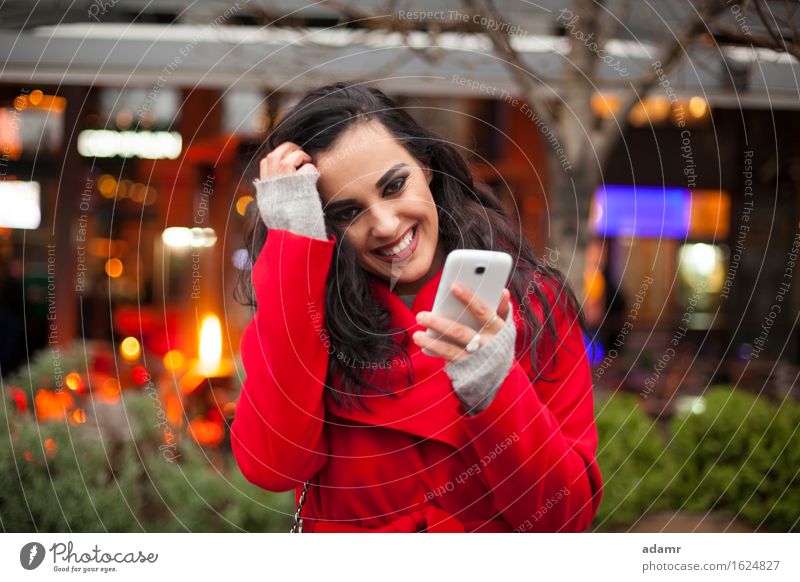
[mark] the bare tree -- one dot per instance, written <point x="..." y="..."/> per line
<point x="588" y="141"/>
<point x="773" y="30"/>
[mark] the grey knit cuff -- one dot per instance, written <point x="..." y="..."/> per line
<point x="292" y="203"/>
<point x="477" y="377"/>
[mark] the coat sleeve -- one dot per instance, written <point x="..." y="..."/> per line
<point x="537" y="441"/>
<point x="277" y="434"/>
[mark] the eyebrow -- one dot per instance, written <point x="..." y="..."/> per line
<point x="381" y="181"/>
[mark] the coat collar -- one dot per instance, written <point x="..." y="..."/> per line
<point x="423" y="301"/>
<point x="428" y="408"/>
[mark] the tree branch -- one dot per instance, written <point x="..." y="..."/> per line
<point x="522" y="74"/>
<point x="669" y="59"/>
<point x="389" y="23"/>
<point x="775" y="39"/>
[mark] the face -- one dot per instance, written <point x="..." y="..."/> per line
<point x="379" y="196"/>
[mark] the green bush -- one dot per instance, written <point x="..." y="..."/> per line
<point x="742" y="455"/>
<point x="80" y="482"/>
<point x="635" y="467"/>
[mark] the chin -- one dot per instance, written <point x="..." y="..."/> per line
<point x="408" y="274"/>
<point x="413" y="262"/>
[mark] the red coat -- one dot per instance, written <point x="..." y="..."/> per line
<point x="415" y="463"/>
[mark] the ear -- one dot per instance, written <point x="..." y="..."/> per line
<point x="428" y="174"/>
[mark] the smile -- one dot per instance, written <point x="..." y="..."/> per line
<point x="400" y="250"/>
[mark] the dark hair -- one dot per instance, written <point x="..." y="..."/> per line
<point x="470" y="216"/>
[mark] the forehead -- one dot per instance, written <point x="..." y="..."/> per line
<point x="358" y="159"/>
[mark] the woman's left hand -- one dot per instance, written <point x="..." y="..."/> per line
<point x="461" y="335"/>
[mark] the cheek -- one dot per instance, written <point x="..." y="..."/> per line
<point x="423" y="207"/>
<point x="356" y="236"/>
<point x="432" y="217"/>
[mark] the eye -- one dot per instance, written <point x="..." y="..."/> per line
<point x="347" y="214"/>
<point x="396" y="185"/>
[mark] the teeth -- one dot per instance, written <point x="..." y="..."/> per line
<point x="403" y="245"/>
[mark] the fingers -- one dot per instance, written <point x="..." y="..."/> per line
<point x="456" y="332"/>
<point x="438" y="347"/>
<point x="460" y="335"/>
<point x="479" y="310"/>
<point x="308" y="168"/>
<point x="288" y="163"/>
<point x="283" y="160"/>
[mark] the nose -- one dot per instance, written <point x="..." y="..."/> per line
<point x="383" y="222"/>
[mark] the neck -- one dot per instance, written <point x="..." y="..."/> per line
<point x="413" y="287"/>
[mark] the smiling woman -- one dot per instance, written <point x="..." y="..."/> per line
<point x="379" y="197"/>
<point x="359" y="205"/>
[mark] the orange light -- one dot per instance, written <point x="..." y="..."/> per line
<point x="698" y="107"/>
<point x="242" y="204"/>
<point x="38" y="100"/>
<point x="106" y="247"/>
<point x="191" y="380"/>
<point x="210" y="348"/>
<point x="605" y="106"/>
<point x="110" y="386"/>
<point x="710" y="215"/>
<point x="73" y="381"/>
<point x="137" y="192"/>
<point x="207" y="432"/>
<point x="174" y="410"/>
<point x="658" y="108"/>
<point x="173" y="360"/>
<point x="113" y="268"/>
<point x="52" y="405"/>
<point x="107" y="186"/>
<point x="595" y="285"/>
<point x="79" y="415"/>
<point x="109" y="390"/>
<point x="50" y="447"/>
<point x="651" y="110"/>
<point x="130" y="348"/>
<point x="10" y="139"/>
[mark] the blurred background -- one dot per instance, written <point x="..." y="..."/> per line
<point x="647" y="149"/>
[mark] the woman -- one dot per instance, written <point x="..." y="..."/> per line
<point x="362" y="205"/>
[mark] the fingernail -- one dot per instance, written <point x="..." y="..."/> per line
<point x="457" y="287"/>
<point x="422" y="316"/>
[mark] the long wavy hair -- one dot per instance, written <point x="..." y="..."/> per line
<point x="470" y="217"/>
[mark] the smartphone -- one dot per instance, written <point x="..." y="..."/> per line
<point x="485" y="273"/>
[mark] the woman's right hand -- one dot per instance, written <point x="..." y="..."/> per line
<point x="284" y="160"/>
<point x="286" y="192"/>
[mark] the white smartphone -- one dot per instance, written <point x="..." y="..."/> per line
<point x="485" y="273"/>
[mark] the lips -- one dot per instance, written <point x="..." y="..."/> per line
<point x="401" y="249"/>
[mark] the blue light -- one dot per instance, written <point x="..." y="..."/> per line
<point x="594" y="350"/>
<point x="642" y="211"/>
